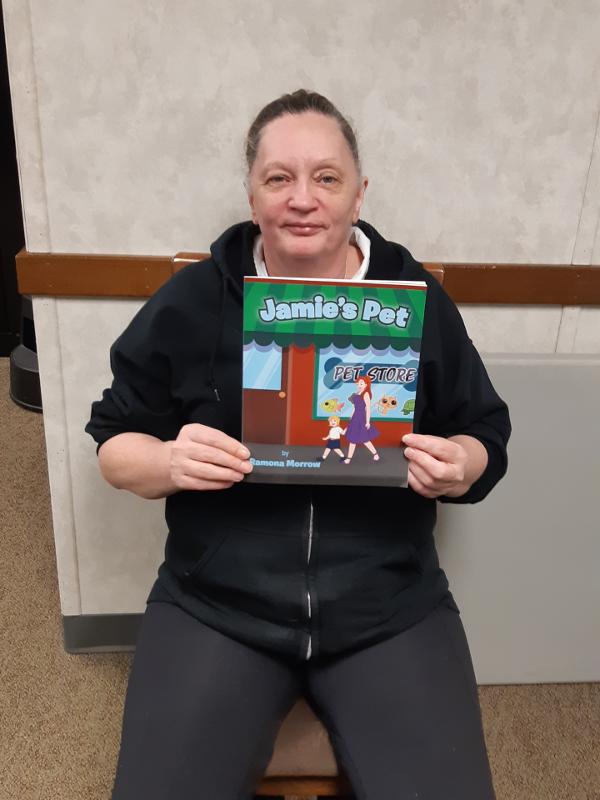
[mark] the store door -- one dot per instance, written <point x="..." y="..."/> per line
<point x="265" y="410"/>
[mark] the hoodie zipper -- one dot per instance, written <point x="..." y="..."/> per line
<point x="310" y="535"/>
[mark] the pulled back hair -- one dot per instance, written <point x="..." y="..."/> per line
<point x="367" y="380"/>
<point x="298" y="102"/>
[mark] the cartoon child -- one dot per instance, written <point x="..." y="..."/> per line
<point x="333" y="438"/>
<point x="360" y="430"/>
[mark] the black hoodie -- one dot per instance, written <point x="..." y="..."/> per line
<point x="302" y="571"/>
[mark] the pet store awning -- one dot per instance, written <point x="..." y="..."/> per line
<point x="306" y="313"/>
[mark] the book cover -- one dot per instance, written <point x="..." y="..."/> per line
<point x="330" y="375"/>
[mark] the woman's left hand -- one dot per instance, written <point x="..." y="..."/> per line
<point x="438" y="466"/>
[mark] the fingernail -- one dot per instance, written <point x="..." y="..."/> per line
<point x="245" y="453"/>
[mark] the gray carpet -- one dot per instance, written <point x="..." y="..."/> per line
<point x="60" y="714"/>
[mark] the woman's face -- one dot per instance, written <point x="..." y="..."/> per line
<point x="362" y="385"/>
<point x="305" y="191"/>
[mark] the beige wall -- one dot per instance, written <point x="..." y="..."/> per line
<point x="479" y="130"/>
<point x="478" y="123"/>
<point x="477" y="119"/>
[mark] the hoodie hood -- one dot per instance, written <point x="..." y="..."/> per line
<point x="232" y="253"/>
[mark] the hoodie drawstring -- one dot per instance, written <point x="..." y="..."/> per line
<point x="217" y="339"/>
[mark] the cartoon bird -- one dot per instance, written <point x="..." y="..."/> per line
<point x="331" y="405"/>
<point x="386" y="403"/>
<point x="408" y="407"/>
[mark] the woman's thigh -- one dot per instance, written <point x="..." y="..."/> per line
<point x="403" y="715"/>
<point x="201" y="712"/>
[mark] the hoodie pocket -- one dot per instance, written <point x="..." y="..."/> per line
<point x="363" y="581"/>
<point x="190" y="575"/>
<point x="254" y="573"/>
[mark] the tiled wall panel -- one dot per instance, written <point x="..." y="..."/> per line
<point x="477" y="119"/>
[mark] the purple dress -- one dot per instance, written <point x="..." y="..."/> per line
<point x="357" y="431"/>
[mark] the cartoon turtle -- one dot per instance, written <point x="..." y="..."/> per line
<point x="331" y="405"/>
<point x="408" y="407"/>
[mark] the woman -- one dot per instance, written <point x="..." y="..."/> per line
<point x="271" y="592"/>
<point x="360" y="430"/>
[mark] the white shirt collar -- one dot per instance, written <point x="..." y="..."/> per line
<point x="358" y="237"/>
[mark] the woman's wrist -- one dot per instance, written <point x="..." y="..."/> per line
<point x="138" y="463"/>
<point x="477" y="460"/>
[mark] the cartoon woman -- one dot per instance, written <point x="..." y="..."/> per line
<point x="360" y="430"/>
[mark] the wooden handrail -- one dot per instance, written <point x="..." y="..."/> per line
<point x="83" y="275"/>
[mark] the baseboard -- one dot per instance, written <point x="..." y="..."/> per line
<point x="101" y="633"/>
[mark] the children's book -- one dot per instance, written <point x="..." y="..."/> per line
<point x="330" y="376"/>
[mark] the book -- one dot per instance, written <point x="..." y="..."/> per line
<point x="330" y="372"/>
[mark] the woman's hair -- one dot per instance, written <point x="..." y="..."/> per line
<point x="298" y="103"/>
<point x="367" y="380"/>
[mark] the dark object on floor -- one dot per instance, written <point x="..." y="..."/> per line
<point x="24" y="374"/>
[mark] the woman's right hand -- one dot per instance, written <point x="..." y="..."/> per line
<point x="204" y="459"/>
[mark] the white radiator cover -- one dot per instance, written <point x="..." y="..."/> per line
<point x="524" y="564"/>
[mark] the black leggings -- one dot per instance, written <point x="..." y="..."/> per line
<point x="202" y="712"/>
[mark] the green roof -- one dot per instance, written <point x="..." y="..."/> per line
<point x="379" y="314"/>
